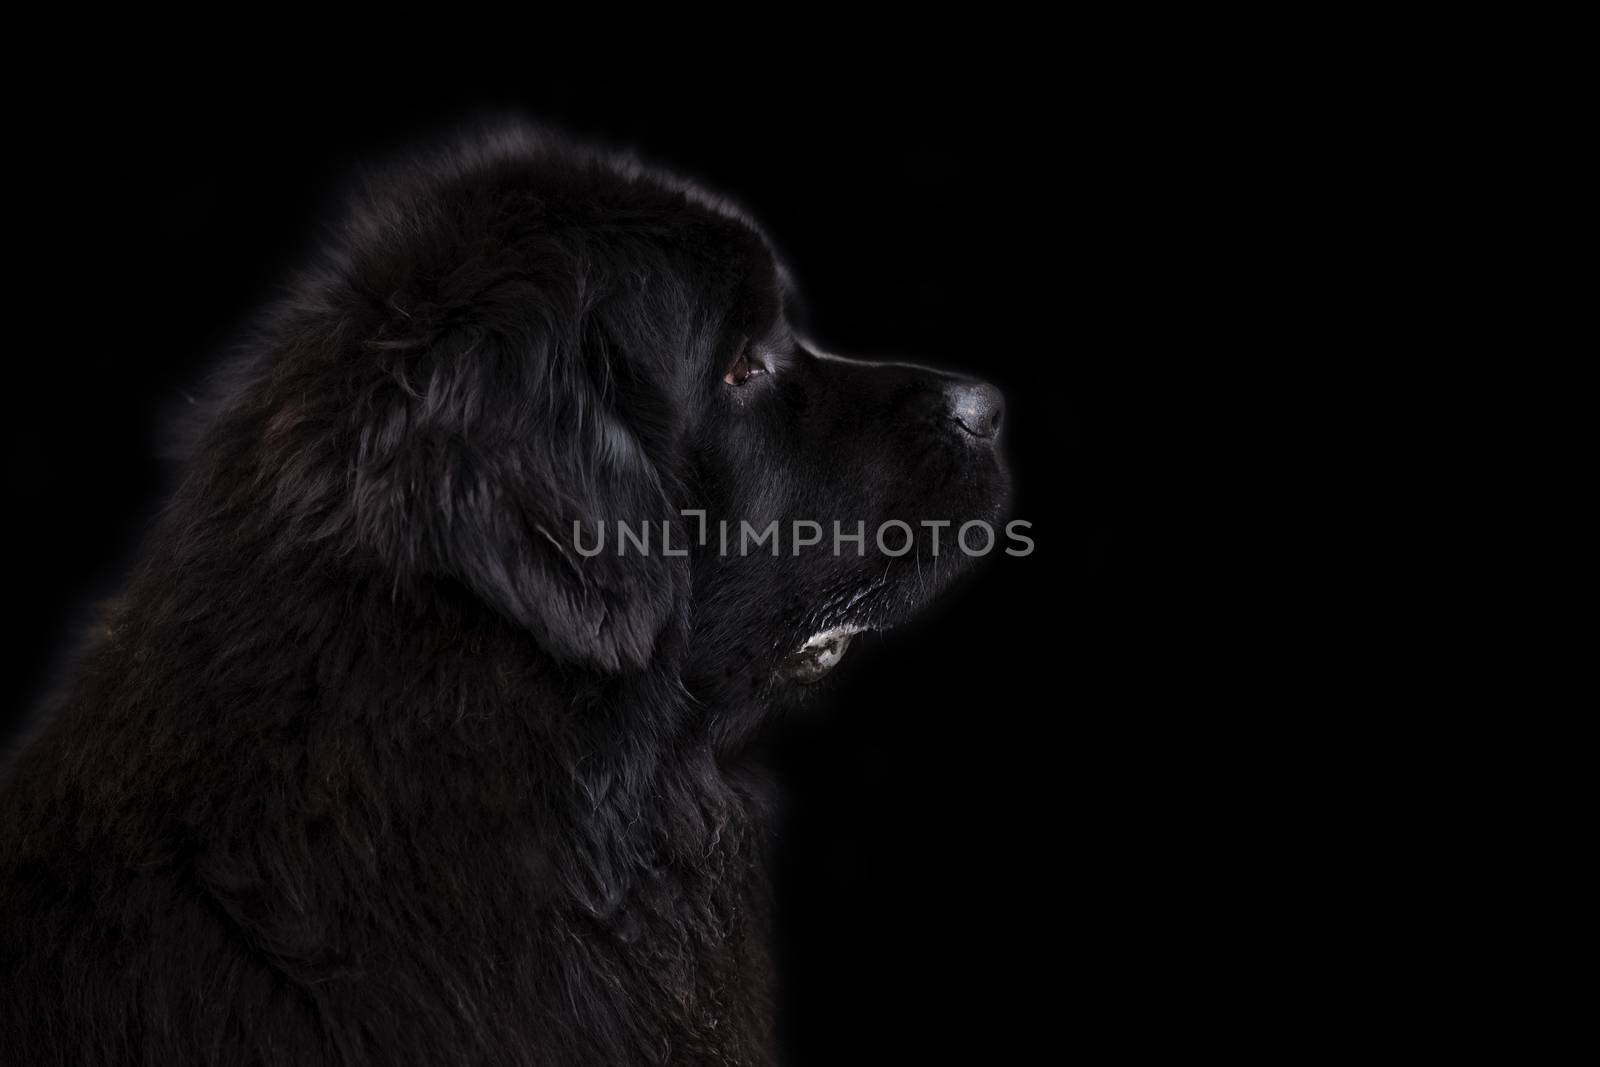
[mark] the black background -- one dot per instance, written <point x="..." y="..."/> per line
<point x="1015" y="817"/>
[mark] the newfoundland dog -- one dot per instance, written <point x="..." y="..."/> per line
<point x="422" y="730"/>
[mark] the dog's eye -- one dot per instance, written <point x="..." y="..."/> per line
<point x="747" y="366"/>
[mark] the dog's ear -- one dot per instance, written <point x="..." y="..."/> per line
<point x="483" y="449"/>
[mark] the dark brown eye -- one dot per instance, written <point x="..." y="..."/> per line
<point x="747" y="366"/>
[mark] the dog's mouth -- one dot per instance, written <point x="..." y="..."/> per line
<point x="819" y="654"/>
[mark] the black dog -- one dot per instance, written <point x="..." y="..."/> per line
<point x="396" y="748"/>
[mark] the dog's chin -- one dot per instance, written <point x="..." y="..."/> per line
<point x="818" y="654"/>
<point x="881" y="604"/>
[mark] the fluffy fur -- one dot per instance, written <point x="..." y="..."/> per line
<point x="368" y="766"/>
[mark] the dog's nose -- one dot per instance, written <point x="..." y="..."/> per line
<point x="978" y="407"/>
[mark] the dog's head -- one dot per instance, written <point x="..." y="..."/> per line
<point x="574" y="386"/>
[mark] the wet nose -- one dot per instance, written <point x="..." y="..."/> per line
<point x="978" y="407"/>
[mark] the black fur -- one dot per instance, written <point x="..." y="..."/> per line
<point x="368" y="765"/>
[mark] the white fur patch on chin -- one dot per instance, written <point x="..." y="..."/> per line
<point x="820" y="653"/>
